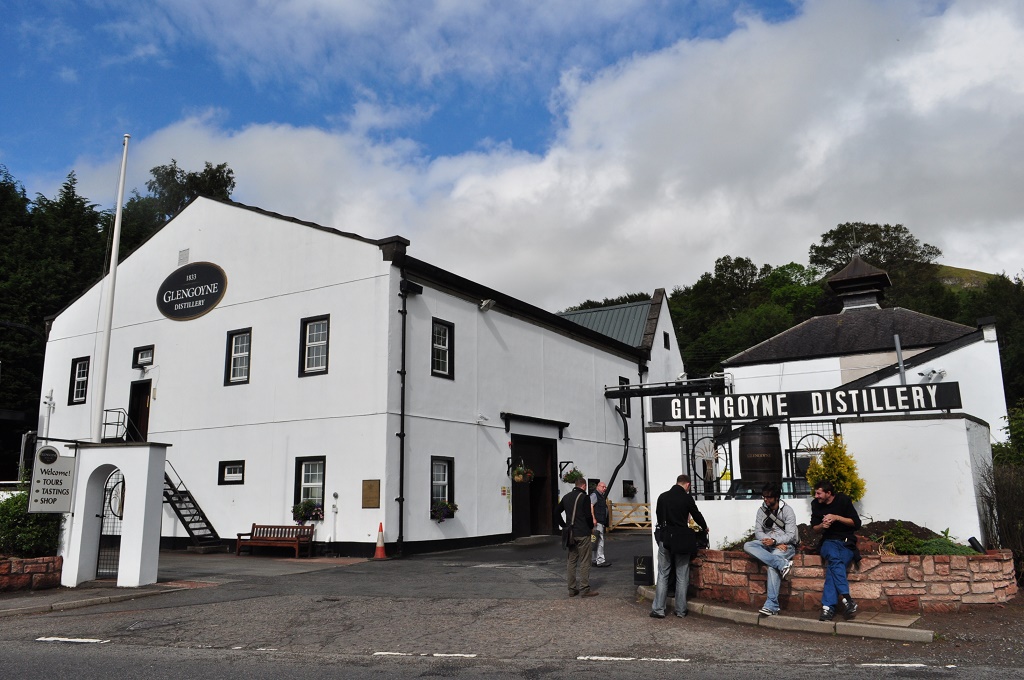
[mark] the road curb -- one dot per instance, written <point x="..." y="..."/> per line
<point x="84" y="602"/>
<point x="795" y="623"/>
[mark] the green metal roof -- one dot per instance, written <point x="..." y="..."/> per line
<point x="624" y="323"/>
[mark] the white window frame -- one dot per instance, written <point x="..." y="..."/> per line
<point x="315" y="345"/>
<point x="78" y="391"/>
<point x="311" y="474"/>
<point x="442" y="349"/>
<point x="442" y="479"/>
<point x="238" y="359"/>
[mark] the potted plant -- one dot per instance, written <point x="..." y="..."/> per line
<point x="521" y="473"/>
<point x="307" y="511"/>
<point x="442" y="510"/>
<point x="572" y="476"/>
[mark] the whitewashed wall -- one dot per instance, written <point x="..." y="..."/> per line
<point x="926" y="470"/>
<point x="279" y="272"/>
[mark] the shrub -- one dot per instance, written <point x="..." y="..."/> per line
<point x="1002" y="494"/>
<point x="837" y="466"/>
<point x="27" y="535"/>
<point x="899" y="540"/>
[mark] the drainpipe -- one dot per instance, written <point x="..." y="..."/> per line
<point x="625" y="446"/>
<point x="401" y="420"/>
<point x="642" y="370"/>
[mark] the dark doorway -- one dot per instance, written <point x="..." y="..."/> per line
<point x="109" y="553"/>
<point x="137" y="429"/>
<point x="533" y="503"/>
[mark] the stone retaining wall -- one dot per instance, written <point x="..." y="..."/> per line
<point x="38" y="573"/>
<point x="901" y="583"/>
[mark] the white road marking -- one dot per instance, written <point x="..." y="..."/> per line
<point x="435" y="654"/>
<point x="76" y="640"/>
<point x="894" y="665"/>
<point x="628" y="658"/>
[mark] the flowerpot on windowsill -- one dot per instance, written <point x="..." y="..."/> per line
<point x="442" y="510"/>
<point x="307" y="511"/>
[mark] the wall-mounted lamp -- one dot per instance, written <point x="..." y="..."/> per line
<point x="487" y="304"/>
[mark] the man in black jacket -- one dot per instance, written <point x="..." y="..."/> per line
<point x="677" y="545"/>
<point x="577" y="511"/>
<point x="834" y="517"/>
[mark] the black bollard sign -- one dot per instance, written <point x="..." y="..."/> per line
<point x="643" y="570"/>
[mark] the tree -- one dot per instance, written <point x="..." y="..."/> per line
<point x="737" y="306"/>
<point x="909" y="263"/>
<point x="837" y="466"/>
<point x="1003" y="299"/>
<point x="882" y="245"/>
<point x="172" y="187"/>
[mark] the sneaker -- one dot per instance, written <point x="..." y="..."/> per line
<point x="764" y="611"/>
<point x="827" y="614"/>
<point x="591" y="593"/>
<point x="787" y="570"/>
<point x="656" y="615"/>
<point x="603" y="564"/>
<point x="851" y="609"/>
<point x="682" y="615"/>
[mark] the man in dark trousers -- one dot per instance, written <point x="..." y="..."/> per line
<point x="599" y="501"/>
<point x="678" y="543"/>
<point x="577" y="511"/>
<point x="834" y="517"/>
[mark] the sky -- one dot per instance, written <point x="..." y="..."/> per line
<point x="556" y="151"/>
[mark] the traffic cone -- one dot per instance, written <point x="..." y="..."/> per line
<point x="380" y="554"/>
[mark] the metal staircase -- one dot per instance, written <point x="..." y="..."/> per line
<point x="196" y="524"/>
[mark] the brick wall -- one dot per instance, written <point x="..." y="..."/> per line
<point x="903" y="583"/>
<point x="38" y="573"/>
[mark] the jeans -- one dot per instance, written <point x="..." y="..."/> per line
<point x="835" y="557"/>
<point x="665" y="560"/>
<point x="775" y="560"/>
<point x="579" y="557"/>
<point x="598" y="556"/>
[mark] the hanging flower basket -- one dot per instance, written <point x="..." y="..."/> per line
<point x="522" y="474"/>
<point x="307" y="511"/>
<point x="442" y="510"/>
<point x="572" y="476"/>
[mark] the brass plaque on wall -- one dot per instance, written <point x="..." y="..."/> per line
<point x="371" y="493"/>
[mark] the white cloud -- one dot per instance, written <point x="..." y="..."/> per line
<point x="752" y="145"/>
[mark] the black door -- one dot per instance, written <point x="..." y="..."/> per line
<point x="533" y="503"/>
<point x="137" y="429"/>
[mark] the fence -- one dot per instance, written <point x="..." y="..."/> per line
<point x="629" y="516"/>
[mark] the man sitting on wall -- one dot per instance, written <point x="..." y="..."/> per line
<point x="775" y="535"/>
<point x="834" y="517"/>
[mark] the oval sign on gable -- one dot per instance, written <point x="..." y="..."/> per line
<point x="191" y="291"/>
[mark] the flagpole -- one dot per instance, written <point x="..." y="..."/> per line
<point x="107" y="310"/>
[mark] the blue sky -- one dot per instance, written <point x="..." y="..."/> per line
<point x="554" y="150"/>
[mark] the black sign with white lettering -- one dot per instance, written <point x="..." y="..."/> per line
<point x="191" y="291"/>
<point x="824" y="403"/>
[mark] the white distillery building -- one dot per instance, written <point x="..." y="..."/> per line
<point x="282" y="360"/>
<point x="926" y="466"/>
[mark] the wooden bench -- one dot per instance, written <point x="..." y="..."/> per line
<point x="289" y="535"/>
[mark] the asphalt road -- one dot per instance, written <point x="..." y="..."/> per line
<point x="498" y="612"/>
